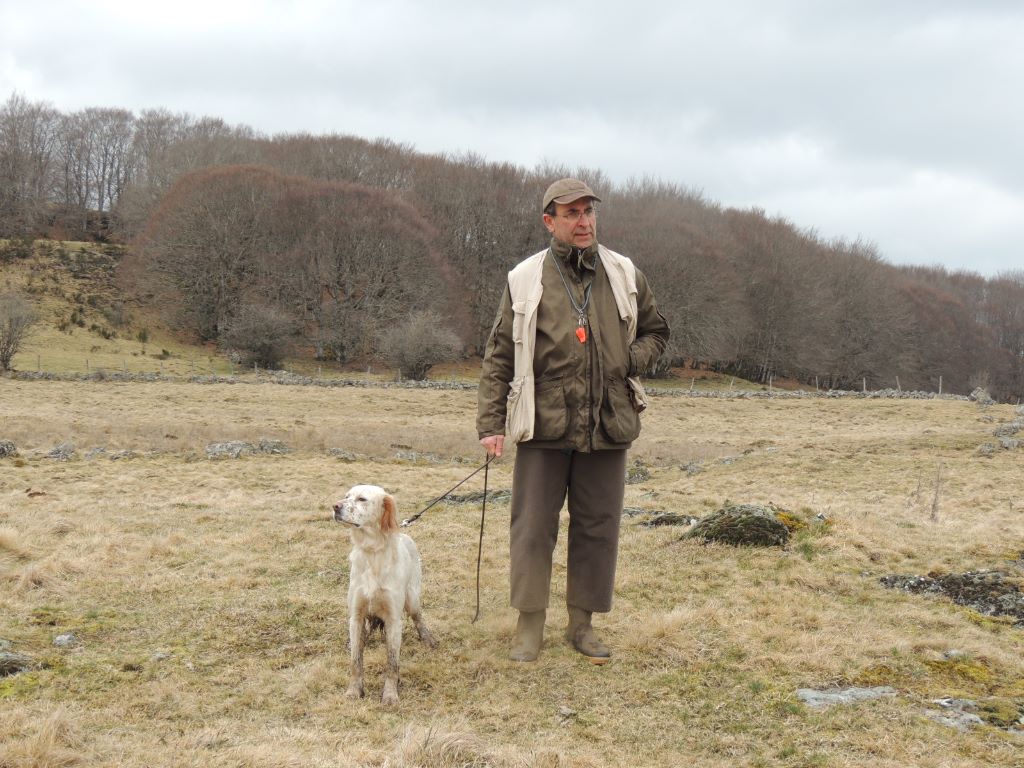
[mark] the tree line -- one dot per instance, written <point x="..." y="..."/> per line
<point x="337" y="241"/>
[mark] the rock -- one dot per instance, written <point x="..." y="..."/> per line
<point x="741" y="525"/>
<point x="669" y="518"/>
<point x="833" y="696"/>
<point x="986" y="449"/>
<point x="419" y="456"/>
<point x="272" y="447"/>
<point x="693" y="468"/>
<point x="637" y="473"/>
<point x="13" y="663"/>
<point x="66" y="640"/>
<point x="159" y="656"/>
<point x="566" y="714"/>
<point x="342" y="454"/>
<point x="955" y="713"/>
<point x="476" y="497"/>
<point x="1010" y="443"/>
<point x="235" y="449"/>
<point x="231" y="449"/>
<point x="1008" y="429"/>
<point x="7" y="448"/>
<point x="981" y="396"/>
<point x="126" y="454"/>
<point x="990" y="593"/>
<point x="62" y="452"/>
<point x="92" y="453"/>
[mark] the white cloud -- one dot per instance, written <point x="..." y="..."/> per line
<point x="898" y="122"/>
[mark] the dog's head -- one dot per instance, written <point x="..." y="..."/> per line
<point x="368" y="508"/>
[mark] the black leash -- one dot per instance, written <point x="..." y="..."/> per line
<point x="483" y="514"/>
<point x="409" y="521"/>
<point x="480" y="546"/>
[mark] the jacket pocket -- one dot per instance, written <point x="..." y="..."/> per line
<point x="552" y="415"/>
<point x="619" y="419"/>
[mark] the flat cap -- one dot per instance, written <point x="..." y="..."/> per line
<point x="566" y="191"/>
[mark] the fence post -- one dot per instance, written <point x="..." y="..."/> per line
<point x="864" y="384"/>
<point x="898" y="387"/>
<point x="940" y="384"/>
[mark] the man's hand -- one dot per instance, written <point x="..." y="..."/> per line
<point x="493" y="444"/>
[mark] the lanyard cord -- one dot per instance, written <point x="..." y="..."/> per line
<point x="580" y="310"/>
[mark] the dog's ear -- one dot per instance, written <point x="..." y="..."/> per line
<point x="389" y="517"/>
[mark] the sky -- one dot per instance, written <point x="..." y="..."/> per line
<point x="889" y="122"/>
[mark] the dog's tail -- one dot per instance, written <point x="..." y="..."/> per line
<point x="374" y="623"/>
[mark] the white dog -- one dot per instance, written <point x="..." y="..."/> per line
<point x="385" y="579"/>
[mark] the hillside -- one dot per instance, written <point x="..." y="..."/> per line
<point x="89" y="324"/>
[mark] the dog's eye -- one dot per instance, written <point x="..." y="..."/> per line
<point x="361" y="498"/>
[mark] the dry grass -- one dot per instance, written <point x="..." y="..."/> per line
<point x="209" y="595"/>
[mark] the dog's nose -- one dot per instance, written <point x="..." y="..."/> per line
<point x="337" y="511"/>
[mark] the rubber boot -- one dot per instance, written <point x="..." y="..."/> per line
<point x="529" y="633"/>
<point x="583" y="638"/>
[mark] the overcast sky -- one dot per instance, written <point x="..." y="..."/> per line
<point x="900" y="123"/>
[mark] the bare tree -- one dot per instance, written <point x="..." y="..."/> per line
<point x="344" y="258"/>
<point x="28" y="138"/>
<point x="17" y="316"/>
<point x="418" y="344"/>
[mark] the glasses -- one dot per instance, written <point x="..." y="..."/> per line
<point x="575" y="214"/>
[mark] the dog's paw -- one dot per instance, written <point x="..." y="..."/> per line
<point x="354" y="691"/>
<point x="428" y="640"/>
<point x="390" y="695"/>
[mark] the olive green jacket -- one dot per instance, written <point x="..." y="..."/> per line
<point x="582" y="401"/>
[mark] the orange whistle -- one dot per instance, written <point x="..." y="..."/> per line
<point x="581" y="334"/>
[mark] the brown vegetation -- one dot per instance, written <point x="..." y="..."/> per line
<point x="346" y="235"/>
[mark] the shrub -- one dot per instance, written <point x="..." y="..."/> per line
<point x="15" y="248"/>
<point x="17" y="316"/>
<point x="260" y="334"/>
<point x="418" y="344"/>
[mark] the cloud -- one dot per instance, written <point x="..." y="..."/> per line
<point x="897" y="122"/>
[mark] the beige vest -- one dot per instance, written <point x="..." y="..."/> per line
<point x="526" y="288"/>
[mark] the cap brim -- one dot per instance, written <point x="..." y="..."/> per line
<point x="573" y="197"/>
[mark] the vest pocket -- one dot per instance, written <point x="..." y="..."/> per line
<point x="552" y="416"/>
<point x="518" y="321"/>
<point x="619" y="419"/>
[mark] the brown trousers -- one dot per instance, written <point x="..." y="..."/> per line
<point x="595" y="483"/>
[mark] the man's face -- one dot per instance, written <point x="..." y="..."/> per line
<point x="574" y="223"/>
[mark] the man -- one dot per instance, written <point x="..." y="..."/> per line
<point x="576" y="324"/>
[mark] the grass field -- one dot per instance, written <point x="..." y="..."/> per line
<point x="208" y="596"/>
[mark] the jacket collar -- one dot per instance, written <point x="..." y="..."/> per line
<point x="578" y="259"/>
